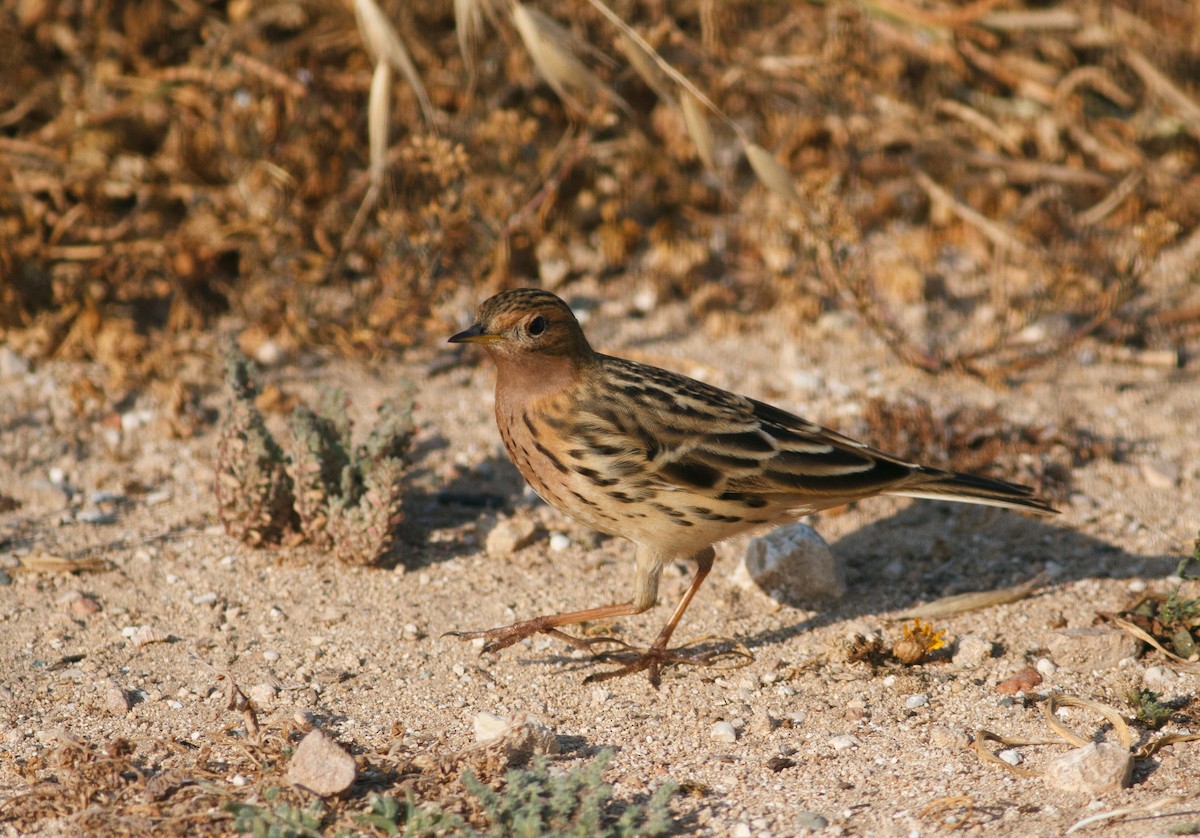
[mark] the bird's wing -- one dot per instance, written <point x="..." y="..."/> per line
<point x="699" y="438"/>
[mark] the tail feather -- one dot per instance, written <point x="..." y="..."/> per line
<point x="971" y="488"/>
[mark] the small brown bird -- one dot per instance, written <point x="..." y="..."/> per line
<point x="671" y="463"/>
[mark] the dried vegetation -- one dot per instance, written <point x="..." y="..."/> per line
<point x="985" y="186"/>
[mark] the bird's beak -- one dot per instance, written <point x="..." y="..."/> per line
<point x="475" y="334"/>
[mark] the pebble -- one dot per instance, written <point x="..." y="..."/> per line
<point x="144" y="635"/>
<point x="971" y="650"/>
<point x="270" y="655"/>
<point x="1045" y="667"/>
<point x="791" y="564"/>
<point x="723" y="732"/>
<point x="509" y="536"/>
<point x="519" y="735"/>
<point x="1093" y="769"/>
<point x="321" y="765"/>
<point x="116" y="700"/>
<point x="811" y="821"/>
<point x="1023" y="680"/>
<point x="559" y="542"/>
<point x="1094" y="648"/>
<point x="1011" y="756"/>
<point x="915" y="701"/>
<point x="263" y="695"/>
<point x="1159" y="680"/>
<point x="843" y="741"/>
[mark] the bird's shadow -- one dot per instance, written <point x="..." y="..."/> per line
<point x="930" y="550"/>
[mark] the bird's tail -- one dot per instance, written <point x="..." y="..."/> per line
<point x="970" y="488"/>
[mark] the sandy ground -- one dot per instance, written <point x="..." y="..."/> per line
<point x="363" y="650"/>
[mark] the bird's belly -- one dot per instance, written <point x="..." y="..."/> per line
<point x="609" y="499"/>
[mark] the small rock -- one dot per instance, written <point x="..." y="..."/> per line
<point x="723" y="732"/>
<point x="321" y="765"/>
<point x="1011" y="756"/>
<point x="843" y="741"/>
<point x="742" y="830"/>
<point x="1023" y="680"/>
<point x="1092" y="769"/>
<point x="1159" y="680"/>
<point x="1092" y="648"/>
<point x="1045" y="667"/>
<point x="559" y="542"/>
<point x="509" y="536"/>
<point x="304" y="720"/>
<point x="116" y="700"/>
<point x="791" y="564"/>
<point x="811" y="821"/>
<point x="915" y="701"/>
<point x="144" y="635"/>
<point x="263" y="695"/>
<point x="971" y="650"/>
<point x="941" y="736"/>
<point x="85" y="606"/>
<point x="520" y="735"/>
<point x="1160" y="474"/>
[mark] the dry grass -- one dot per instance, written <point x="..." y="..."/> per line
<point x="986" y="188"/>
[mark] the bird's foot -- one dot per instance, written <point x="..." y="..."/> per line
<point x="505" y="636"/>
<point x="654" y="659"/>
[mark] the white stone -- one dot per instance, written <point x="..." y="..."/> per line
<point x="791" y="564"/>
<point x="1045" y="667"/>
<point x="723" y="732"/>
<point x="1093" y="769"/>
<point x="1011" y="757"/>
<point x="915" y="701"/>
<point x="971" y="650"/>
<point x="843" y="741"/>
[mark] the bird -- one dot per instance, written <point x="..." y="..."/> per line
<point x="668" y="462"/>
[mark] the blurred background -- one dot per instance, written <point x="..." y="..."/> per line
<point x="984" y="185"/>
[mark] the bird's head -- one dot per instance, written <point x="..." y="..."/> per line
<point x="527" y="323"/>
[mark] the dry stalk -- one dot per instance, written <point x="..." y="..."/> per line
<point x="383" y="44"/>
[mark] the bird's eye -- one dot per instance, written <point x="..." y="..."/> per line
<point x="537" y="326"/>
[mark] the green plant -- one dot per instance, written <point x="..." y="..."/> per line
<point x="388" y="815"/>
<point x="284" y="820"/>
<point x="1150" y="711"/>
<point x="541" y="802"/>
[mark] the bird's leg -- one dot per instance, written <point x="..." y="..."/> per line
<point x="505" y="636"/>
<point x="649" y="568"/>
<point x="653" y="659"/>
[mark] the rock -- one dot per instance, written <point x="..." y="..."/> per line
<point x="263" y="695"/>
<point x="810" y="821"/>
<point x="1045" y="667"/>
<point x="971" y="650"/>
<point x="791" y="564"/>
<point x="915" y="701"/>
<point x="509" y="536"/>
<point x="1092" y="769"/>
<point x="723" y="732"/>
<point x="116" y="700"/>
<point x="519" y="736"/>
<point x="321" y="765"/>
<point x="1023" y="680"/>
<point x="1092" y="648"/>
<point x="1160" y="474"/>
<point x="1011" y="756"/>
<point x="843" y="741"/>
